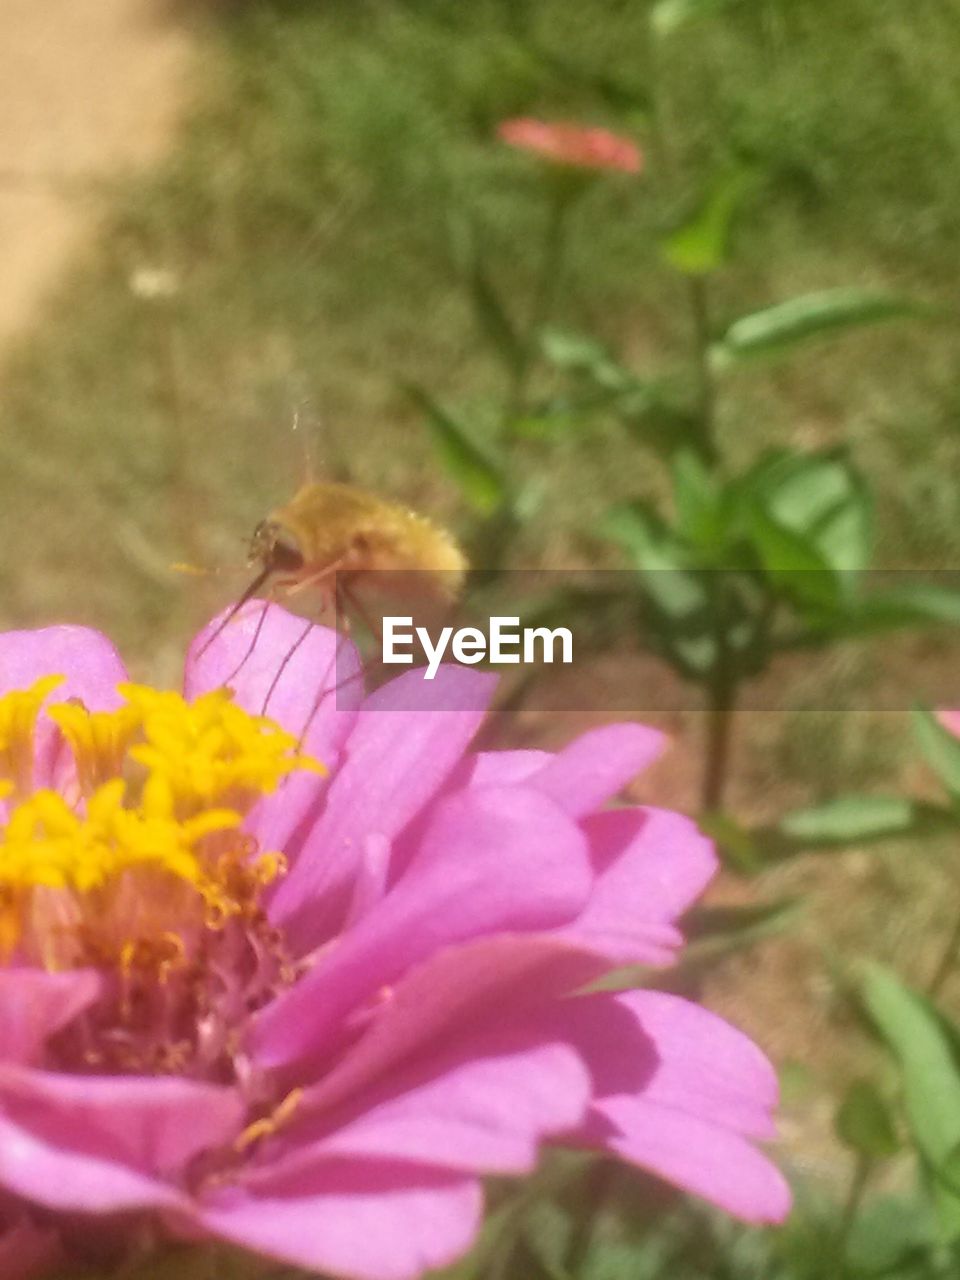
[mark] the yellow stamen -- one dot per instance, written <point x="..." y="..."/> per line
<point x="18" y="718"/>
<point x="271" y="1124"/>
<point x="147" y="846"/>
<point x="98" y="739"/>
<point x="211" y="751"/>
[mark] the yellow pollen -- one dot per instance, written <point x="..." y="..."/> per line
<point x="145" y="847"/>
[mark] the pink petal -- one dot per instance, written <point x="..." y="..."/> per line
<point x="35" y="1004"/>
<point x="396" y="761"/>
<point x="89" y="661"/>
<point x="706" y="1066"/>
<point x="501" y="768"/>
<point x="154" y="1125"/>
<point x="491" y="860"/>
<point x="468" y="989"/>
<point x="482" y="1106"/>
<point x="40" y="1170"/>
<point x="650" y="865"/>
<point x="281" y="672"/>
<point x="703" y="1088"/>
<point x="27" y="1252"/>
<point x="712" y="1162"/>
<point x="356" y="1219"/>
<point x="597" y="765"/>
<point x="93" y="670"/>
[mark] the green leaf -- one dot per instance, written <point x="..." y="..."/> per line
<point x="481" y="480"/>
<point x="659" y="556"/>
<point x="864" y="1122"/>
<point x="852" y="819"/>
<point x="940" y="748"/>
<point x="670" y="15"/>
<point x="677" y="598"/>
<point x="947" y="1173"/>
<point x="909" y="605"/>
<point x="793" y="560"/>
<point x="699" y="501"/>
<point x="701" y="244"/>
<point x="578" y="353"/>
<point x="892" y="1237"/>
<point x="779" y="329"/>
<point x="716" y="931"/>
<point x="931" y="1081"/>
<point x="736" y="844"/>
<point x="822" y="498"/>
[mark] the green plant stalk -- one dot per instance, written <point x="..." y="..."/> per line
<point x="862" y="1171"/>
<point x="706" y="386"/>
<point x="721" y="714"/>
<point x="697" y="287"/>
<point x="599" y="1188"/>
<point x="722" y="691"/>
<point x="547" y="287"/>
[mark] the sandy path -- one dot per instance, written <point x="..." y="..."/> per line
<point x="88" y="88"/>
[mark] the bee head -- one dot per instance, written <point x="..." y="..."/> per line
<point x="274" y="548"/>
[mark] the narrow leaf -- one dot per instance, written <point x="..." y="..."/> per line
<point x="481" y="480"/>
<point x="908" y="605"/>
<point x="701" y="244"/>
<point x="931" y="1080"/>
<point x="712" y="931"/>
<point x="851" y="819"/>
<point x="940" y="748"/>
<point x="794" y="561"/>
<point x="779" y="329"/>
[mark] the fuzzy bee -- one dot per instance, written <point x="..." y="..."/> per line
<point x="331" y="538"/>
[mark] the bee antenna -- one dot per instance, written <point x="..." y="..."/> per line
<point x="248" y="594"/>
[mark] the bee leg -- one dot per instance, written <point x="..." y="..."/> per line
<point x="320" y="579"/>
<point x="253" y="642"/>
<point x="272" y="595"/>
<point x="339" y="595"/>
<point x="285" y="663"/>
<point x="345" y="595"/>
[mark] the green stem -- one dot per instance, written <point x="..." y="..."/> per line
<point x="862" y="1170"/>
<point x="598" y="1190"/>
<point x="947" y="961"/>
<point x="719" y="739"/>
<point x="706" y="386"/>
<point x="544" y="296"/>
<point x="721" y="700"/>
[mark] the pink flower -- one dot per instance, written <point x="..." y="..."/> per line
<point x="572" y="145"/>
<point x="307" y="1012"/>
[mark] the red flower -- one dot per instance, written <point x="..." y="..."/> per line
<point x="572" y="144"/>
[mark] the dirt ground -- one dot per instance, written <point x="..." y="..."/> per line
<point x="88" y="88"/>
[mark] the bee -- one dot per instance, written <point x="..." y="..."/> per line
<point x="332" y="537"/>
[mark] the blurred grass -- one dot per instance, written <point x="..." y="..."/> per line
<point x="310" y="212"/>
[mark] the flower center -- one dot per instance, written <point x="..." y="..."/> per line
<point x="132" y="861"/>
